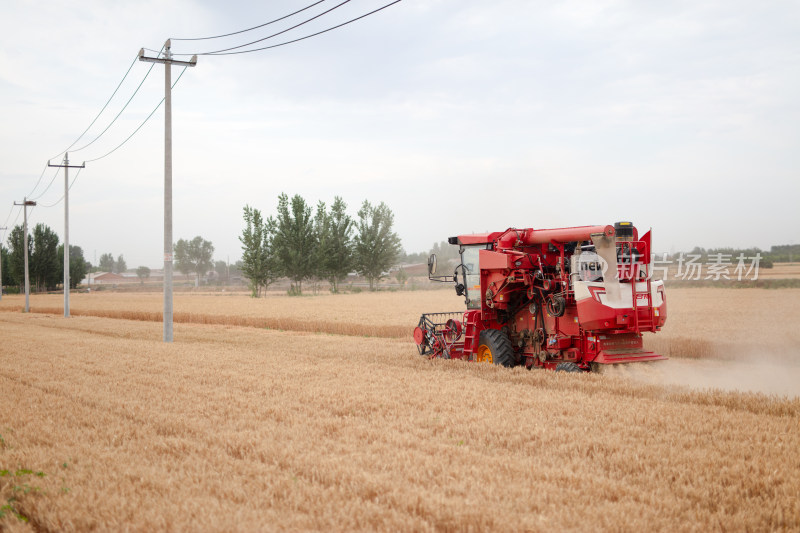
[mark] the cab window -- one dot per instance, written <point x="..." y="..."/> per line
<point x="471" y="272"/>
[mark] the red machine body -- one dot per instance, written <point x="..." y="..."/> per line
<point x="567" y="299"/>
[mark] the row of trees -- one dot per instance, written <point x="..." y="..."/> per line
<point x="298" y="243"/>
<point x="325" y="245"/>
<point x="191" y="257"/>
<point x="45" y="260"/>
<point x="46" y="265"/>
<point x="108" y="264"/>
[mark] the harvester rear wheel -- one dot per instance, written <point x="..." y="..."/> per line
<point x="495" y="347"/>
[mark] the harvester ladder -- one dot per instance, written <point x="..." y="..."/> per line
<point x="471" y="334"/>
<point x="647" y="322"/>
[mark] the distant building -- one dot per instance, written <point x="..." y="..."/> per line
<point x="104" y="278"/>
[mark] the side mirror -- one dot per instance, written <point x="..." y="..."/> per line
<point x="432" y="265"/>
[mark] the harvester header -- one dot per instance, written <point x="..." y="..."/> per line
<point x="567" y="298"/>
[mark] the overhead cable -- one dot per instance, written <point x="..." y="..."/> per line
<point x="101" y="111"/>
<point x="5" y="224"/>
<point x="140" y="125"/>
<point x="18" y="214"/>
<point x="62" y="196"/>
<point x="249" y="29"/>
<point x="120" y="111"/>
<point x="276" y="34"/>
<point x="38" y="181"/>
<point x="223" y="53"/>
<point x="46" y="188"/>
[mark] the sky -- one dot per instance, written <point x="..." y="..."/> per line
<point x="462" y="116"/>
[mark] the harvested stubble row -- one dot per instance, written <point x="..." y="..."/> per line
<point x="389" y="315"/>
<point x="287" y="324"/>
<point x="245" y="429"/>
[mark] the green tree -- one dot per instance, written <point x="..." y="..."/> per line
<point x="182" y="262"/>
<point x="46" y="271"/>
<point x="78" y="266"/>
<point x="376" y="245"/>
<point x="45" y="265"/>
<point x="5" y="263"/>
<point x="337" y="248"/>
<point x="16" y="260"/>
<point x="221" y="268"/>
<point x="445" y="253"/>
<point x="294" y="240"/>
<point x="194" y="256"/>
<point x="107" y="263"/>
<point x="401" y="276"/>
<point x="120" y="265"/>
<point x="235" y="270"/>
<point x="259" y="263"/>
<point x="320" y="263"/>
<point x="143" y="273"/>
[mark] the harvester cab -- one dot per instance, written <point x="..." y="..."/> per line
<point x="569" y="299"/>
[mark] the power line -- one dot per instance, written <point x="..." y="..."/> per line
<point x="120" y="111"/>
<point x="46" y="188"/>
<point x="39" y="180"/>
<point x="101" y="111"/>
<point x="92" y="124"/>
<point x="17" y="217"/>
<point x="9" y="216"/>
<point x="249" y="29"/>
<point x="222" y="53"/>
<point x="276" y="34"/>
<point x="52" y="180"/>
<point x="5" y="224"/>
<point x="62" y="196"/>
<point x="19" y="213"/>
<point x="140" y="125"/>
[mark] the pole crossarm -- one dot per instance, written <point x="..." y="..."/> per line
<point x="82" y="165"/>
<point x="191" y="63"/>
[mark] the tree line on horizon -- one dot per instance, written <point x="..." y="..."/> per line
<point x="45" y="260"/>
<point x="302" y="245"/>
<point x="46" y="264"/>
<point x="298" y="243"/>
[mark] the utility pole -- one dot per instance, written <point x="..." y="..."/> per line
<point x="1" y="266"/>
<point x="25" y="203"/>
<point x="167" y="61"/>
<point x="66" y="166"/>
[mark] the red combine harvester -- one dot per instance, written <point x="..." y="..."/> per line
<point x="571" y="299"/>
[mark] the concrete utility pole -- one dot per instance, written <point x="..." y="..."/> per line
<point x="25" y="203"/>
<point x="167" y="61"/>
<point x="66" y="167"/>
<point x="1" y="266"/>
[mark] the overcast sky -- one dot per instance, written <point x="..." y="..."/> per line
<point x="463" y="116"/>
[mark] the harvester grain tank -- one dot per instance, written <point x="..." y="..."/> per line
<point x="571" y="299"/>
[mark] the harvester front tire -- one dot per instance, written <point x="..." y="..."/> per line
<point x="496" y="345"/>
<point x="568" y="367"/>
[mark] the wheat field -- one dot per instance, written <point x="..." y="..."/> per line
<point x="234" y="427"/>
